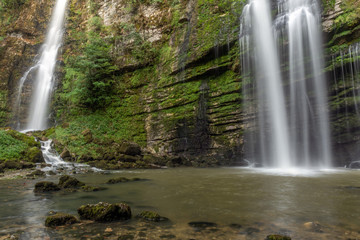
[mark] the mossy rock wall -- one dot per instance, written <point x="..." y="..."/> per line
<point x="341" y="30"/>
<point x="177" y="85"/>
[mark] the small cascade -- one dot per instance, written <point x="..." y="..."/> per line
<point x="44" y="75"/>
<point x="57" y="164"/>
<point x="347" y="80"/>
<point x="286" y="102"/>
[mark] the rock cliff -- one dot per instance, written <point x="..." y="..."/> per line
<point x="177" y="85"/>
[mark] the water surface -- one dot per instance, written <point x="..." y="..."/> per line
<point x="244" y="203"/>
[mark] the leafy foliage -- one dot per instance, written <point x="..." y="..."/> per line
<point x="89" y="77"/>
<point x="10" y="148"/>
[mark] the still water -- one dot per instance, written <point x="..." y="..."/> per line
<point x="243" y="203"/>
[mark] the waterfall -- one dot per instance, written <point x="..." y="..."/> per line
<point x="347" y="82"/>
<point x="288" y="99"/>
<point x="45" y="67"/>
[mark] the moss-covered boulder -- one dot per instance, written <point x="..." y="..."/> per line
<point x="128" y="148"/>
<point x="18" y="151"/>
<point x="45" y="186"/>
<point x="67" y="181"/>
<point x="123" y="179"/>
<point x="118" y="180"/>
<point x="105" y="212"/>
<point x="277" y="237"/>
<point x="151" y="216"/>
<point x="60" y="219"/>
<point x="34" y="155"/>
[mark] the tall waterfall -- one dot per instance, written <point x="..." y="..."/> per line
<point x="45" y="67"/>
<point x="288" y="97"/>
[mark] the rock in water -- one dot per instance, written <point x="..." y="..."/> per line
<point x="60" y="219"/>
<point x="46" y="187"/>
<point x="67" y="181"/>
<point x="105" y="212"/>
<point x="151" y="216"/>
<point x="277" y="237"/>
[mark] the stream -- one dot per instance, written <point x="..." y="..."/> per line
<point x="240" y="203"/>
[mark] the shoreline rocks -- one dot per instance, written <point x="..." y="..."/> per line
<point x="105" y="212"/>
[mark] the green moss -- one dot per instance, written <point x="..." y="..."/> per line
<point x="60" y="219"/>
<point x="277" y="237"/>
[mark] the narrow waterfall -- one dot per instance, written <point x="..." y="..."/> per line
<point x="45" y="67"/>
<point x="288" y="97"/>
<point x="347" y="78"/>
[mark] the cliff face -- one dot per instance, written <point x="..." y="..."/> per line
<point x="177" y="85"/>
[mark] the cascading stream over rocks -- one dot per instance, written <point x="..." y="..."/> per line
<point x="288" y="97"/>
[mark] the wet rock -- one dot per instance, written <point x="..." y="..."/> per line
<point x="202" y="225"/>
<point x="126" y="237"/>
<point x="67" y="181"/>
<point x="277" y="237"/>
<point x="105" y="212"/>
<point x="355" y="165"/>
<point x="34" y="155"/>
<point x="251" y="230"/>
<point x="313" y="226"/>
<point x="36" y="173"/>
<point x="123" y="180"/>
<point x="127" y="158"/>
<point x="118" y="180"/>
<point x="46" y="187"/>
<point x="60" y="219"/>
<point x="151" y="216"/>
<point x="235" y="226"/>
<point x="87" y="188"/>
<point x="131" y="149"/>
<point x="65" y="154"/>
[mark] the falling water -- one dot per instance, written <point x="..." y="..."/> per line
<point x="347" y="85"/>
<point x="290" y="90"/>
<point x="43" y="85"/>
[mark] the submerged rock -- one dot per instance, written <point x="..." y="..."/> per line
<point x="67" y="181"/>
<point x="105" y="212"/>
<point x="123" y="179"/>
<point x="313" y="226"/>
<point x="46" y="187"/>
<point x="277" y="237"/>
<point x="151" y="216"/>
<point x="87" y="188"/>
<point x="202" y="225"/>
<point x="60" y="219"/>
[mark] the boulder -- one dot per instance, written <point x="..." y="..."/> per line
<point x="118" y="180"/>
<point x="46" y="187"/>
<point x="65" y="154"/>
<point x="60" y="219"/>
<point x="67" y="181"/>
<point x="151" y="216"/>
<point x="127" y="158"/>
<point x="277" y="237"/>
<point x="105" y="212"/>
<point x="36" y="173"/>
<point x="87" y="188"/>
<point x="34" y="155"/>
<point x="128" y="148"/>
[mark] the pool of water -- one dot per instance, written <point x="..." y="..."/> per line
<point x="244" y="203"/>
